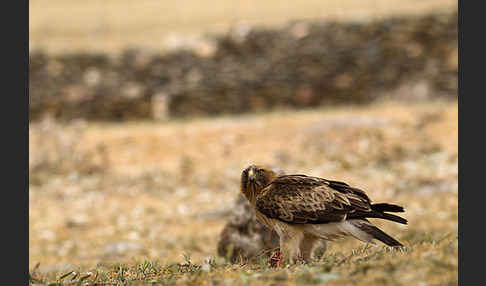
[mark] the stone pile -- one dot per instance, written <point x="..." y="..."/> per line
<point x="304" y="64"/>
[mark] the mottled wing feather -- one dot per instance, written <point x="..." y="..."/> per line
<point x="300" y="199"/>
<point x="345" y="188"/>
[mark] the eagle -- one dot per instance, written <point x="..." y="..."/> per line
<point x="304" y="210"/>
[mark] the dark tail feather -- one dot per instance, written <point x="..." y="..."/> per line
<point x="380" y="209"/>
<point x="387" y="208"/>
<point x="380" y="235"/>
<point x="391" y="217"/>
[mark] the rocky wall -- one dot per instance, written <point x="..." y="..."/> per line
<point x="304" y="64"/>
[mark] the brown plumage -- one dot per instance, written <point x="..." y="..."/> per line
<point x="304" y="209"/>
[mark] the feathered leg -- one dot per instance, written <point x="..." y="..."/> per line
<point x="290" y="246"/>
<point x="307" y="245"/>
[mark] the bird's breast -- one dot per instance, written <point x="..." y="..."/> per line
<point x="281" y="228"/>
<point x="264" y="220"/>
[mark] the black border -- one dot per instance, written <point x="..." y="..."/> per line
<point x="23" y="130"/>
<point x="470" y="116"/>
<point x="15" y="141"/>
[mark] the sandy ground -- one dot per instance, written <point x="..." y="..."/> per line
<point x="119" y="193"/>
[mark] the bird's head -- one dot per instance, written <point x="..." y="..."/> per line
<point x="254" y="179"/>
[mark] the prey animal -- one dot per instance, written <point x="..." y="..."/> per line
<point x="304" y="210"/>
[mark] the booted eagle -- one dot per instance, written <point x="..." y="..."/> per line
<point x="304" y="210"/>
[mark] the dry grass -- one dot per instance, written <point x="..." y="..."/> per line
<point x="61" y="26"/>
<point x="127" y="201"/>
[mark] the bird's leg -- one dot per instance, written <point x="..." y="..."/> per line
<point x="290" y="247"/>
<point x="322" y="249"/>
<point x="307" y="245"/>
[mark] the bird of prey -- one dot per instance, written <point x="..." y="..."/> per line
<point x="304" y="210"/>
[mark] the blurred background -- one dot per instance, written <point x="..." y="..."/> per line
<point x="144" y="113"/>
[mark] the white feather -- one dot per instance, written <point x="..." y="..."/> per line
<point x="337" y="230"/>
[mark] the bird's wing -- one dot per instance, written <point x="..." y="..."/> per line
<point x="300" y="199"/>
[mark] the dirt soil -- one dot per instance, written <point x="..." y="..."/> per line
<point x="119" y="193"/>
